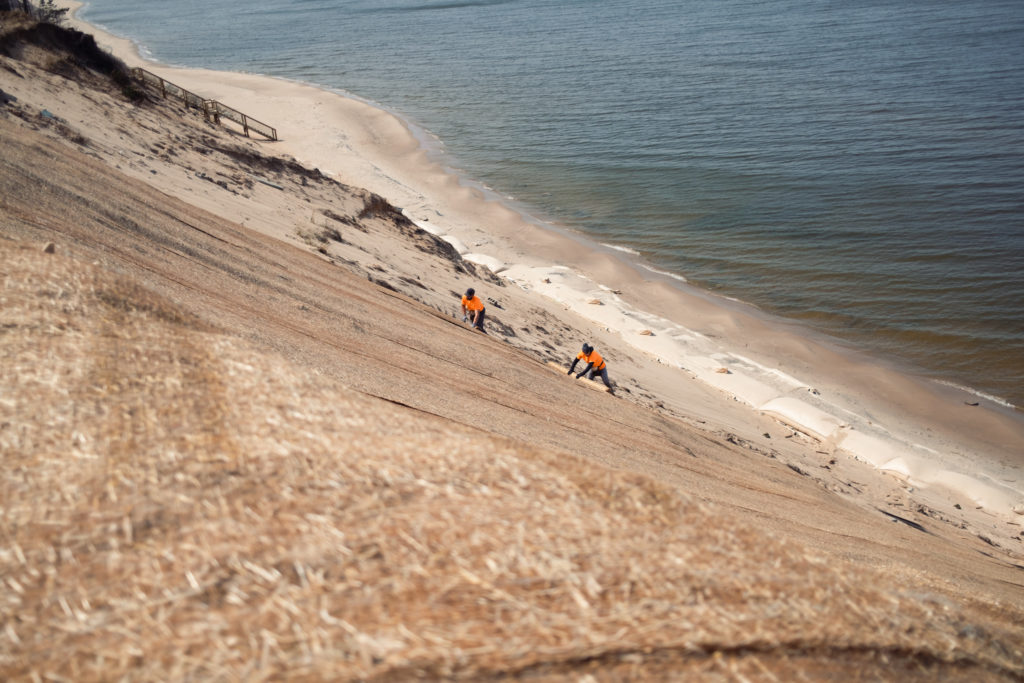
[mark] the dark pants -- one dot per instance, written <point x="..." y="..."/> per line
<point x="478" y="323"/>
<point x="603" y="372"/>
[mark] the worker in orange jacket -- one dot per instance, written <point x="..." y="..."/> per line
<point x="473" y="307"/>
<point x="595" y="365"/>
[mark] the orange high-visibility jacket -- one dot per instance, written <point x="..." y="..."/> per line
<point x="473" y="304"/>
<point x="593" y="357"/>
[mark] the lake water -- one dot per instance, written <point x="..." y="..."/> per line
<point x="856" y="167"/>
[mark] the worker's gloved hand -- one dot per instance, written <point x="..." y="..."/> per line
<point x="465" y="318"/>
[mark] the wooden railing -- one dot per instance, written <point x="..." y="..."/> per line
<point x="212" y="109"/>
<point x="247" y="123"/>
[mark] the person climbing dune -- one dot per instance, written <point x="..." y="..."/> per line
<point x="595" y="365"/>
<point x="473" y="309"/>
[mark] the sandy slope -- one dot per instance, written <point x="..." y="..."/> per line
<point x="263" y="445"/>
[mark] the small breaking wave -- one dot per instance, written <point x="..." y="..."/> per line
<point x="674" y="276"/>
<point x="627" y="250"/>
<point x="980" y="394"/>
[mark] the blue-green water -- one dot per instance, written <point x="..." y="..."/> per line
<point x="857" y="167"/>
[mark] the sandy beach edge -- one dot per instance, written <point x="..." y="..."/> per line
<point x="900" y="424"/>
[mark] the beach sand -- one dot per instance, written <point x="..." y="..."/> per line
<point x="828" y="475"/>
<point x="930" y="435"/>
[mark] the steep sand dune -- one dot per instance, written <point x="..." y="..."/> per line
<point x="264" y="447"/>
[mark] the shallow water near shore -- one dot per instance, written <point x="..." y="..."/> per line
<point x="856" y="169"/>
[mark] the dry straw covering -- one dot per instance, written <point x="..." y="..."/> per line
<point x="178" y="505"/>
